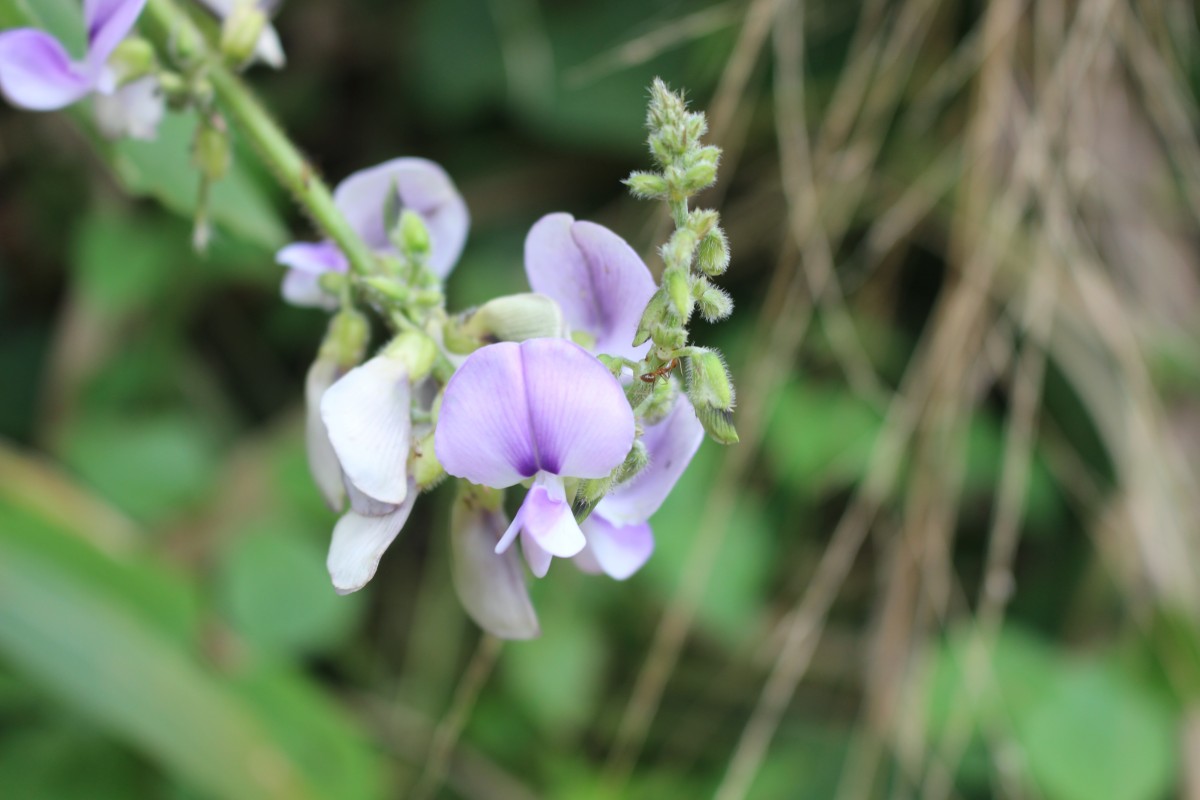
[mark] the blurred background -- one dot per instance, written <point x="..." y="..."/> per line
<point x="956" y="553"/>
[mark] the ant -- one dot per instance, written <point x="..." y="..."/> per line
<point x="661" y="372"/>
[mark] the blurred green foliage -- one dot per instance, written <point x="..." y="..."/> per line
<point x="166" y="625"/>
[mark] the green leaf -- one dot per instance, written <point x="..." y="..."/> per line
<point x="1099" y="735"/>
<point x="276" y="592"/>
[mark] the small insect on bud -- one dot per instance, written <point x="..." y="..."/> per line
<point x="714" y="303"/>
<point x="712" y="257"/>
<point x="679" y="289"/>
<point x="240" y="32"/>
<point x="711" y="391"/>
<point x="647" y="185"/>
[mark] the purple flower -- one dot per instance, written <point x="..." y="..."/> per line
<point x="601" y="283"/>
<point x="365" y="198"/>
<point x="37" y="73"/>
<point x="543" y="409"/>
<point x="603" y="287"/>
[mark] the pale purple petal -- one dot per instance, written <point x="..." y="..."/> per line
<point x="368" y="414"/>
<point x="582" y="423"/>
<point x="537" y="557"/>
<point x="671" y="443"/>
<point x="322" y="460"/>
<point x="483" y="431"/>
<point x="36" y="73"/>
<point x="546" y="525"/>
<point x="619" y="550"/>
<point x="360" y="541"/>
<point x="304" y="289"/>
<point x="490" y="585"/>
<point x="315" y="258"/>
<point x="543" y="404"/>
<point x="134" y="110"/>
<point x="602" y="285"/>
<point x="108" y="22"/>
<point x="422" y="186"/>
<point x="585" y="559"/>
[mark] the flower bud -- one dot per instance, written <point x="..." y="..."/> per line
<point x="210" y="148"/>
<point x="423" y="466"/>
<point x="346" y="338"/>
<point x="387" y="286"/>
<point x="712" y="257"/>
<point x="515" y="318"/>
<point x="647" y="185"/>
<point x="714" y="303"/>
<point x="657" y="310"/>
<point x="416" y="351"/>
<point x="490" y="585"/>
<point x="635" y="462"/>
<point x="711" y="391"/>
<point x="133" y="59"/>
<point x="413" y="235"/>
<point x="680" y="248"/>
<point x="240" y="32"/>
<point x="675" y="281"/>
<point x="698" y="177"/>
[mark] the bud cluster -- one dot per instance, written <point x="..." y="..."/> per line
<point x="695" y="253"/>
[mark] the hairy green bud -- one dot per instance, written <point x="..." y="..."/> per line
<point x="413" y="235"/>
<point x="711" y="391"/>
<point x="423" y="464"/>
<point x="675" y="281"/>
<point x="714" y="303"/>
<point x="712" y="257"/>
<point x="647" y="185"/>
<point x="240" y="32"/>
<point x="656" y="312"/>
<point x="346" y="338"/>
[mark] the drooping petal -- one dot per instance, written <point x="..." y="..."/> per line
<point x="420" y="185"/>
<point x="360" y="541"/>
<point x="304" y="289"/>
<point x="269" y="49"/>
<point x="581" y="421"/>
<point x="546" y="525"/>
<point x="108" y="22"/>
<point x="368" y="414"/>
<point x="36" y="73"/>
<point x="671" y="443"/>
<point x="483" y="431"/>
<point x="490" y="585"/>
<point x="537" y="557"/>
<point x="543" y="404"/>
<point x="601" y="283"/>
<point x="619" y="550"/>
<point x="322" y="460"/>
<point x="364" y="504"/>
<point x="134" y="110"/>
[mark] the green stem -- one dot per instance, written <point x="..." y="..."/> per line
<point x="291" y="168"/>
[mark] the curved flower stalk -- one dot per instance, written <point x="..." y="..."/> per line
<point x="37" y="73"/>
<point x="373" y="201"/>
<point x="603" y="287"/>
<point x="546" y="410"/>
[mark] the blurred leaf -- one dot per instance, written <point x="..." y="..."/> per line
<point x="162" y="169"/>
<point x="1098" y="735"/>
<point x="121" y="264"/>
<point x="734" y="596"/>
<point x="63" y="760"/>
<point x="150" y="468"/>
<point x="276" y="592"/>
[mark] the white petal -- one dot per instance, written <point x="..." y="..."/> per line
<point x="490" y="586"/>
<point x="322" y="460"/>
<point x="368" y="416"/>
<point x="359" y="542"/>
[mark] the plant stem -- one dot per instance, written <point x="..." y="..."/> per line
<point x="291" y="168"/>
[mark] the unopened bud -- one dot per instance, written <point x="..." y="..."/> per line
<point x="699" y="176"/>
<point x="634" y="463"/>
<point x="696" y="126"/>
<point x="711" y="391"/>
<point x="346" y="338"/>
<point x="680" y="248"/>
<point x="134" y="58"/>
<point x="657" y="310"/>
<point x="714" y="303"/>
<point x="668" y="337"/>
<point x="647" y="185"/>
<point x="389" y="287"/>
<point x="679" y="289"/>
<point x="210" y="149"/>
<point x="515" y="318"/>
<point x="416" y="351"/>
<point x="240" y="32"/>
<point x="712" y="257"/>
<point x="423" y="465"/>
<point x="413" y="234"/>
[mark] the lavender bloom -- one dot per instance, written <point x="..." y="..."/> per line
<point x="544" y="409"/>
<point x="365" y="198"/>
<point x="603" y="286"/>
<point x="38" y="74"/>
